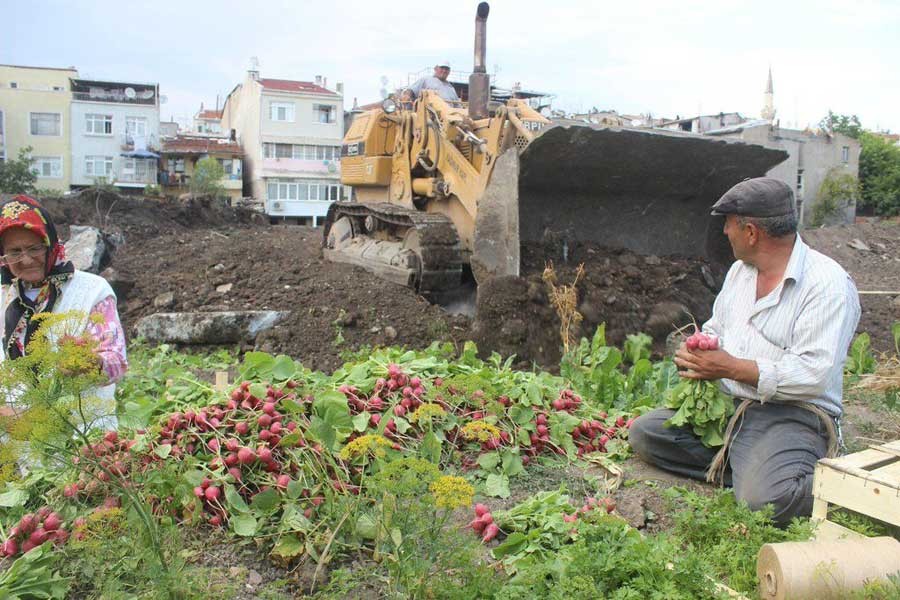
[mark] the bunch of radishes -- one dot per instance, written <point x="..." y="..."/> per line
<point x="483" y="524"/>
<point x="409" y="389"/>
<point x="99" y="462"/>
<point x="592" y="435"/>
<point x="702" y="341"/>
<point x="33" y="530"/>
<point x="567" y="401"/>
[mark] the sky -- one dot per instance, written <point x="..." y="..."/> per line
<point x="640" y="56"/>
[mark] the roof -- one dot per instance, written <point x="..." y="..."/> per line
<point x="738" y="128"/>
<point x="302" y="87"/>
<point x="183" y="144"/>
<point x="210" y="114"/>
<point x="42" y="68"/>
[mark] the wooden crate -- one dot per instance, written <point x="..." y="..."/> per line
<point x="866" y="482"/>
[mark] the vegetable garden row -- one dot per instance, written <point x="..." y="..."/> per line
<point x="392" y="477"/>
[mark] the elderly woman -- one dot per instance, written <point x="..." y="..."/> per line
<point x="36" y="278"/>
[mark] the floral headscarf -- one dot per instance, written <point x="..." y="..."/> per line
<point x="27" y="213"/>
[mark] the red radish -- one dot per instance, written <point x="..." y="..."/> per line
<point x="38" y="536"/>
<point x="231" y="460"/>
<point x="398" y="411"/>
<point x="264" y="454"/>
<point x="27" y="524"/>
<point x="308" y="513"/>
<point x="543" y="430"/>
<point x="291" y="426"/>
<point x="265" y="435"/>
<point x="246" y="456"/>
<point x="374" y="420"/>
<point x="477" y="526"/>
<point x="235" y="473"/>
<point x="283" y="481"/>
<point x="269" y="408"/>
<point x="620" y="421"/>
<point x="264" y="420"/>
<point x="275" y="428"/>
<point x="232" y="445"/>
<point x="212" y="493"/>
<point x="570" y="518"/>
<point x="481" y="509"/>
<point x="487" y="518"/>
<point x="215" y="520"/>
<point x="713" y="342"/>
<point x="213" y="444"/>
<point x="703" y="344"/>
<point x="490" y="533"/>
<point x="10" y="547"/>
<point x="241" y="428"/>
<point x="52" y="522"/>
<point x="28" y="546"/>
<point x="111" y="436"/>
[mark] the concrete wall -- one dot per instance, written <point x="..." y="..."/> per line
<point x="305" y="128"/>
<point x="91" y="144"/>
<point x="242" y="113"/>
<point x="34" y="92"/>
<point x="812" y="156"/>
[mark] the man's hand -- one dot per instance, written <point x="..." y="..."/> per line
<point x="715" y="364"/>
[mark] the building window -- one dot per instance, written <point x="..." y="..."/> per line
<point x="98" y="124"/>
<point x="13" y="85"/>
<point x="46" y="123"/>
<point x="845" y="154"/>
<point x="271" y="150"/>
<point x="324" y="113"/>
<point x="281" y="111"/>
<point x="98" y="166"/>
<point x="800" y="184"/>
<point x="47" y="167"/>
<point x="323" y="191"/>
<point x="58" y="88"/>
<point x="135" y="126"/>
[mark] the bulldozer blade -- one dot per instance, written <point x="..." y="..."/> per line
<point x="649" y="191"/>
<point x="495" y="250"/>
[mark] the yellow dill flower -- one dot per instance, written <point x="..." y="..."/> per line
<point x="427" y="413"/>
<point x="479" y="431"/>
<point x="376" y="445"/>
<point x="451" y="492"/>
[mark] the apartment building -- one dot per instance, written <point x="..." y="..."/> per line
<point x="34" y="112"/>
<point x="291" y="133"/>
<point x="115" y="132"/>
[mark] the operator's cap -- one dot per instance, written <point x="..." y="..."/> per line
<point x="758" y="197"/>
<point x="443" y="63"/>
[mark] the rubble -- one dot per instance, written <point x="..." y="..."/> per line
<point x="86" y="248"/>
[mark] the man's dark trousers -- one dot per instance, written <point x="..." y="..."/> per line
<point x="771" y="458"/>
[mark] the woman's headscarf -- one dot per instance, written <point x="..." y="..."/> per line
<point x="27" y="213"/>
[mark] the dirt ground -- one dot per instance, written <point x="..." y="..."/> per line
<point x="193" y="248"/>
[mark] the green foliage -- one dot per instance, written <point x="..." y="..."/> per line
<point x="879" y="174"/>
<point x="729" y="534"/>
<point x="611" y="560"/>
<point x="16" y="174"/>
<point x="860" y="359"/>
<point x="207" y="178"/>
<point x="32" y="576"/>
<point x="702" y="406"/>
<point x="637" y="347"/>
<point x="838" y="189"/>
<point x="859" y="523"/>
<point x="848" y="125"/>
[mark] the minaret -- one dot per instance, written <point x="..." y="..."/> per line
<point x="768" y="111"/>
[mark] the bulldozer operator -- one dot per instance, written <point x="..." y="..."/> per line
<point x="437" y="82"/>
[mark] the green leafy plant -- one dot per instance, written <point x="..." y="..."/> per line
<point x="703" y="407"/>
<point x="207" y="177"/>
<point x="32" y="575"/>
<point x="16" y="174"/>
<point x="860" y="359"/>
<point x="838" y="189"/>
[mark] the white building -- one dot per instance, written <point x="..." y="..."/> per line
<point x="208" y="121"/>
<point x="115" y="133"/>
<point x="291" y="132"/>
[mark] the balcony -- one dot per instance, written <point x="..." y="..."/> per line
<point x="150" y="142"/>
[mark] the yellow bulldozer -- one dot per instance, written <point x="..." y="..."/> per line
<point x="442" y="187"/>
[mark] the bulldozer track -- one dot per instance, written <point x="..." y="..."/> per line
<point x="440" y="253"/>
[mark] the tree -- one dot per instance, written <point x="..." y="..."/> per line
<point x="838" y="190"/>
<point x="16" y="175"/>
<point x="207" y="178"/>
<point x="849" y="125"/>
<point x="879" y="174"/>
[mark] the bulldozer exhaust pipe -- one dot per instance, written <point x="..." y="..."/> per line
<point x="479" y="81"/>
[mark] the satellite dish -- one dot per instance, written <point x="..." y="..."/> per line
<point x="147" y="94"/>
<point x="130" y="93"/>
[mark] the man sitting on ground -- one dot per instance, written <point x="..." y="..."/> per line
<point x="785" y="318"/>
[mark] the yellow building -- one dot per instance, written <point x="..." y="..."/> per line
<point x="34" y="111"/>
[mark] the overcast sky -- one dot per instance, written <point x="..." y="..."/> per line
<point x="635" y="56"/>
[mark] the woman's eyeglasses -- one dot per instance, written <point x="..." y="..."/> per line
<point x="16" y="256"/>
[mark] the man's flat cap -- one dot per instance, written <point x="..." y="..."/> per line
<point x="759" y="197"/>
